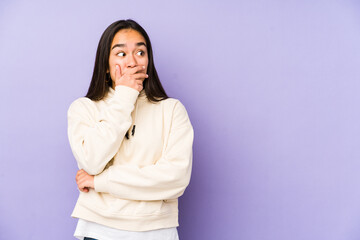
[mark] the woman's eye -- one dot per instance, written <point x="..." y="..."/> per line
<point x="140" y="53"/>
<point x="121" y="54"/>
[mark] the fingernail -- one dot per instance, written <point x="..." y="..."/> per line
<point x="147" y="75"/>
<point x="143" y="67"/>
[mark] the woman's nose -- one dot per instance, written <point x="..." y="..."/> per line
<point x="131" y="61"/>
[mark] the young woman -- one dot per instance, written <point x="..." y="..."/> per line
<point x="132" y="143"/>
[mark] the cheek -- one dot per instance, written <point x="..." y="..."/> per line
<point x="146" y="63"/>
<point x="112" y="67"/>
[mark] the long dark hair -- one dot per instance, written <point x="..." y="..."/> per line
<point x="101" y="81"/>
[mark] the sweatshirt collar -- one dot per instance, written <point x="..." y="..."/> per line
<point x="142" y="94"/>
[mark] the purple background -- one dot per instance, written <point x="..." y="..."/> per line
<point x="272" y="89"/>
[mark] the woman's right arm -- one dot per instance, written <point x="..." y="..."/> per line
<point x="94" y="142"/>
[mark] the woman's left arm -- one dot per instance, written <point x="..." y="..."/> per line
<point x="166" y="179"/>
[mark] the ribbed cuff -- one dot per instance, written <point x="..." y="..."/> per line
<point x="101" y="183"/>
<point x="126" y="94"/>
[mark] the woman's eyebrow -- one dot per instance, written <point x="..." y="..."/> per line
<point x="140" y="44"/>
<point x="124" y="45"/>
<point x="118" y="45"/>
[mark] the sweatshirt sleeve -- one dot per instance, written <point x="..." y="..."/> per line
<point x="94" y="142"/>
<point x="166" y="179"/>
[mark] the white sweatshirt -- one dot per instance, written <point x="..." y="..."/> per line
<point x="137" y="180"/>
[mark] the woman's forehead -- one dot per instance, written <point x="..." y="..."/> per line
<point x="126" y="37"/>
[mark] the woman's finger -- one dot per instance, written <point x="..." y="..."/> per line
<point x="134" y="70"/>
<point x="80" y="181"/>
<point x="140" y="75"/>
<point x="79" y="176"/>
<point x="84" y="179"/>
<point x="117" y="72"/>
<point x="84" y="189"/>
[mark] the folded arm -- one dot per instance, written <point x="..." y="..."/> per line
<point x="166" y="179"/>
<point x="94" y="142"/>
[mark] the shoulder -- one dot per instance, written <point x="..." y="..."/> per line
<point x="81" y="106"/>
<point x="173" y="103"/>
<point x="177" y="110"/>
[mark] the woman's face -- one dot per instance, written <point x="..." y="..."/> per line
<point x="128" y="50"/>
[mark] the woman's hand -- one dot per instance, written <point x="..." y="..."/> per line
<point x="84" y="180"/>
<point x="131" y="77"/>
